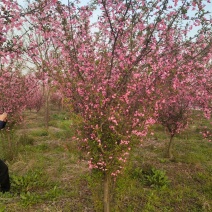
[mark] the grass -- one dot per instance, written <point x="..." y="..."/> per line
<point x="48" y="173"/>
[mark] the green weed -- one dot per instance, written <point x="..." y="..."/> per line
<point x="31" y="198"/>
<point x="152" y="177"/>
<point x="2" y="208"/>
<point x="28" y="182"/>
<point x="156" y="179"/>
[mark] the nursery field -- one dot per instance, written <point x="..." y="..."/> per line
<point x="49" y="173"/>
<point x="109" y="105"/>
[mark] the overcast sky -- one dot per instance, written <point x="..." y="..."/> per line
<point x="97" y="12"/>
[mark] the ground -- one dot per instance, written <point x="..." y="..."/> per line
<point x="49" y="173"/>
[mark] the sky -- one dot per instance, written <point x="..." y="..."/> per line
<point x="82" y="2"/>
<point x="97" y="12"/>
<point x="191" y="13"/>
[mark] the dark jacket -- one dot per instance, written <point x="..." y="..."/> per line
<point x="2" y="124"/>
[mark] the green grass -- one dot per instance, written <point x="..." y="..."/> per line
<point x="48" y="173"/>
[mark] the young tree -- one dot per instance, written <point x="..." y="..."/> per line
<point x="173" y="114"/>
<point x="34" y="95"/>
<point x="113" y="68"/>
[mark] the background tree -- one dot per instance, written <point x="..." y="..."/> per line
<point x="174" y="114"/>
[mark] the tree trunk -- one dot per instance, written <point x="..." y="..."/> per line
<point x="47" y="111"/>
<point x="106" y="192"/>
<point x="47" y="99"/>
<point x="170" y="155"/>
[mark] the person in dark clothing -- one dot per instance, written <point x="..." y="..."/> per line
<point x="4" y="173"/>
<point x="4" y="177"/>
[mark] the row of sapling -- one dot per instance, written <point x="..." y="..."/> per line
<point x="17" y="92"/>
<point x="113" y="70"/>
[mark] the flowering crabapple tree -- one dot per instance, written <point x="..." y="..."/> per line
<point x="173" y="114"/>
<point x="112" y="69"/>
<point x="34" y="94"/>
